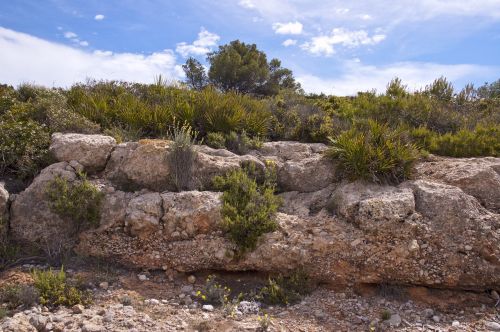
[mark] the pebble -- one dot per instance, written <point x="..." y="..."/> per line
<point x="436" y="318"/>
<point x="395" y="320"/>
<point x="191" y="279"/>
<point x="492" y="326"/>
<point x="142" y="277"/>
<point x="428" y="313"/>
<point x="77" y="308"/>
<point x="187" y="289"/>
<point x="208" y="307"/>
<point x="104" y="285"/>
<point x="455" y="323"/>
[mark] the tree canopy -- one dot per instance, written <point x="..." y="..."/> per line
<point x="242" y="68"/>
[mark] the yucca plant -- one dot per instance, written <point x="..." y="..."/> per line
<point x="374" y="152"/>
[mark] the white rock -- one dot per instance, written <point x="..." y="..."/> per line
<point x="208" y="307"/>
<point x="492" y="326"/>
<point x="91" y="151"/>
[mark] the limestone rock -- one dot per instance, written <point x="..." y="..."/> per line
<point x="370" y="204"/>
<point x="91" y="151"/>
<point x="31" y="218"/>
<point x="478" y="177"/>
<point x="143" y="214"/>
<point x="306" y="175"/>
<point x="193" y="212"/>
<point x="4" y="211"/>
<point x="138" y="165"/>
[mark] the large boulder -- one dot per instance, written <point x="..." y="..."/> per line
<point x="300" y="167"/>
<point x="31" y="218"/>
<point x="478" y="177"/>
<point x="370" y="205"/>
<point x="92" y="151"/>
<point x="143" y="164"/>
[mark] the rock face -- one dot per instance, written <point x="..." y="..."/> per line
<point x="31" y="218"/>
<point x="429" y="231"/>
<point x="91" y="151"/>
<point x="478" y="177"/>
<point x="4" y="211"/>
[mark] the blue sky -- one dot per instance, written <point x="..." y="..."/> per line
<point x="333" y="46"/>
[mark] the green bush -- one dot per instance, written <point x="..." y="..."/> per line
<point x="241" y="143"/>
<point x="79" y="202"/>
<point x="181" y="158"/>
<point x="249" y="210"/>
<point x="215" y="140"/>
<point x="55" y="290"/>
<point x="482" y="141"/>
<point x="286" y="289"/>
<point x="17" y="295"/>
<point x="23" y="147"/>
<point x="374" y="152"/>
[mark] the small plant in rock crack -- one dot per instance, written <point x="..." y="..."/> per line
<point x="78" y="201"/>
<point x="181" y="158"/>
<point x="213" y="292"/>
<point x="286" y="289"/>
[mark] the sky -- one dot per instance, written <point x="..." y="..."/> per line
<point x="332" y="46"/>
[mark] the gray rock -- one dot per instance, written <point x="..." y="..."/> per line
<point x="207" y="307"/>
<point x="187" y="289"/>
<point x="91" y="327"/>
<point x="395" y="320"/>
<point x="492" y="326"/>
<point x="143" y="214"/>
<point x="91" y="151"/>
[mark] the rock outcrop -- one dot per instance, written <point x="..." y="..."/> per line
<point x="91" y="151"/>
<point x="4" y="211"/>
<point x="439" y="229"/>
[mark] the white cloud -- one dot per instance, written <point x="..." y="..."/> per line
<point x="356" y="76"/>
<point x="84" y="43"/>
<point x="289" y="42"/>
<point x="365" y="17"/>
<point x="201" y="46"/>
<point x="31" y="59"/>
<point x="386" y="11"/>
<point x="246" y="4"/>
<point x="324" y="45"/>
<point x="290" y="28"/>
<point x="70" y="35"/>
<point x="99" y="17"/>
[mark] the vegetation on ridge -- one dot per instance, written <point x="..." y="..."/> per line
<point x="242" y="100"/>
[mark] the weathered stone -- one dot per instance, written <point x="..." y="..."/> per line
<point x="370" y="204"/>
<point x="306" y="175"/>
<point x="195" y="212"/>
<point x="478" y="177"/>
<point x="4" y="211"/>
<point x="113" y="209"/>
<point x="91" y="151"/>
<point x="143" y="214"/>
<point x="31" y="218"/>
<point x="138" y="165"/>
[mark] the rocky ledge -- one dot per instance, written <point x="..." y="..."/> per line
<point x="439" y="229"/>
